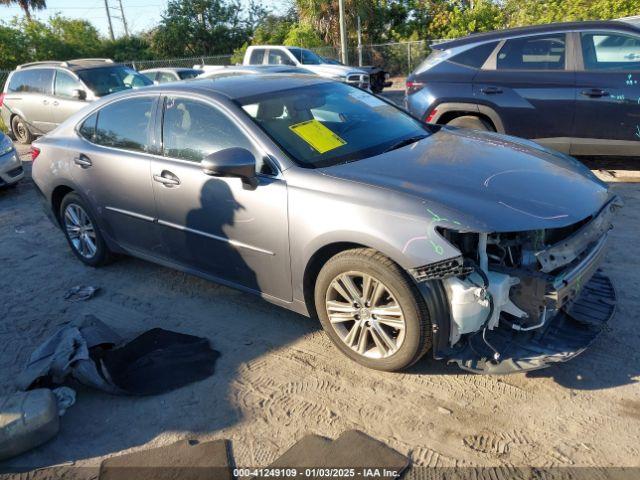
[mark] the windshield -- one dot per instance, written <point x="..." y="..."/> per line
<point x="306" y="57"/>
<point x="331" y="123"/>
<point x="103" y="81"/>
<point x="187" y="74"/>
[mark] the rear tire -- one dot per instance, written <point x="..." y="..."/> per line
<point x="387" y="327"/>
<point x="21" y="131"/>
<point x="470" y="122"/>
<point x="82" y="232"/>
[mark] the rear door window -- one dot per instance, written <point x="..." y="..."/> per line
<point x="610" y="51"/>
<point x="476" y="56"/>
<point x="37" y="80"/>
<point x="166" y="77"/>
<point x="278" y="57"/>
<point x="125" y="124"/>
<point x="257" y="56"/>
<point x="540" y="52"/>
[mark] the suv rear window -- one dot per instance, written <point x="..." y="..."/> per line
<point x="476" y="56"/>
<point x="542" y="52"/>
<point x="37" y="80"/>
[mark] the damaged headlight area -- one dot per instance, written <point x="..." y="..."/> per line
<point x="509" y="286"/>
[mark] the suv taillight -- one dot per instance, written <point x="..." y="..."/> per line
<point x="1" y="99"/>
<point x="35" y="151"/>
<point x="413" y="87"/>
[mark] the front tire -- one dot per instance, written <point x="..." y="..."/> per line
<point x="82" y="232"/>
<point x="372" y="310"/>
<point x="21" y="131"/>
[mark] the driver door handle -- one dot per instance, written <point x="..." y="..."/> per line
<point x="595" y="93"/>
<point x="167" y="178"/>
<point x="491" y="90"/>
<point x="82" y="161"/>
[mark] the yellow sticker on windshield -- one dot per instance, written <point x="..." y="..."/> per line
<point x="317" y="135"/>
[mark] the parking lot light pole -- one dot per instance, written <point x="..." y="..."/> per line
<point x="343" y="33"/>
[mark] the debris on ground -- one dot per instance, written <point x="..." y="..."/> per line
<point x="27" y="419"/>
<point x="352" y="449"/>
<point x="93" y="354"/>
<point x="80" y="293"/>
<point x="186" y="459"/>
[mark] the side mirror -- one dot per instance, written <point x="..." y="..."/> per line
<point x="232" y="162"/>
<point x="79" y="94"/>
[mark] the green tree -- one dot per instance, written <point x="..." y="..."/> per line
<point x="205" y="27"/>
<point x="464" y="19"/>
<point x="547" y="11"/>
<point x="26" y="5"/>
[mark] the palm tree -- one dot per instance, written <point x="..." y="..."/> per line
<point x="27" y="5"/>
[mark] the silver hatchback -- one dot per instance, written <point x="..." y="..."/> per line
<point x="401" y="237"/>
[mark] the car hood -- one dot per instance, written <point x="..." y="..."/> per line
<point x="484" y="182"/>
<point x="327" y="70"/>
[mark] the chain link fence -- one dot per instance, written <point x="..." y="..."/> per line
<point x="399" y="59"/>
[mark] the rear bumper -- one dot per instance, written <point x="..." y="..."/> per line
<point x="565" y="336"/>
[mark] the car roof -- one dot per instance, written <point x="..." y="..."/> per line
<point x="73" y="65"/>
<point x="240" y="86"/>
<point x="533" y="29"/>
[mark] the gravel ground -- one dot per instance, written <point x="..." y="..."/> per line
<point x="280" y="378"/>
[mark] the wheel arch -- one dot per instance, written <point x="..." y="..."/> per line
<point x="57" y="195"/>
<point x="448" y="111"/>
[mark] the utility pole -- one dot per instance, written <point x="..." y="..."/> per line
<point x="124" y="20"/>
<point x="106" y="6"/>
<point x="359" y="43"/>
<point x="343" y="33"/>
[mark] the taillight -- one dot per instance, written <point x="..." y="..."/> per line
<point x="413" y="87"/>
<point x="431" y="115"/>
<point x="1" y="99"/>
<point x="35" y="151"/>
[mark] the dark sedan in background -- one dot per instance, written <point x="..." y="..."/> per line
<point x="572" y="86"/>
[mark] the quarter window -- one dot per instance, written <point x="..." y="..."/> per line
<point x="610" y="51"/>
<point x="166" y="77"/>
<point x="125" y="124"/>
<point x="88" y="127"/>
<point x="542" y="52"/>
<point x="32" y="81"/>
<point x="64" y="85"/>
<point x="191" y="130"/>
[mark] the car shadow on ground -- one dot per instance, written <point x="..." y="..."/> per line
<point x="242" y="327"/>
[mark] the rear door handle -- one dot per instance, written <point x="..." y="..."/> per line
<point x="491" y="90"/>
<point x="82" y="161"/>
<point x="167" y="178"/>
<point x="594" y="93"/>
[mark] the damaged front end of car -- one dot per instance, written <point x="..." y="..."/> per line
<point x="520" y="301"/>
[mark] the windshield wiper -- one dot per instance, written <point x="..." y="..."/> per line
<point x="404" y="142"/>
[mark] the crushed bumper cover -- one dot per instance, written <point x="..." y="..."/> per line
<point x="565" y="336"/>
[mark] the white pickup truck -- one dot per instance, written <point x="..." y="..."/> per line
<point x="303" y="58"/>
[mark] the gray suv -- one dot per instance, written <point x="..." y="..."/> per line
<point x="401" y="237"/>
<point x="38" y="96"/>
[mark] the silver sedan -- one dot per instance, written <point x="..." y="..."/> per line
<point x="399" y="236"/>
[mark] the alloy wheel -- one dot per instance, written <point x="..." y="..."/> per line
<point x="80" y="230"/>
<point x="365" y="314"/>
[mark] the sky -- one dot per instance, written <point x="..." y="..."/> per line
<point x="141" y="14"/>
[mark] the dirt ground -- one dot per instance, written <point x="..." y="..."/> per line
<point x="279" y="378"/>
